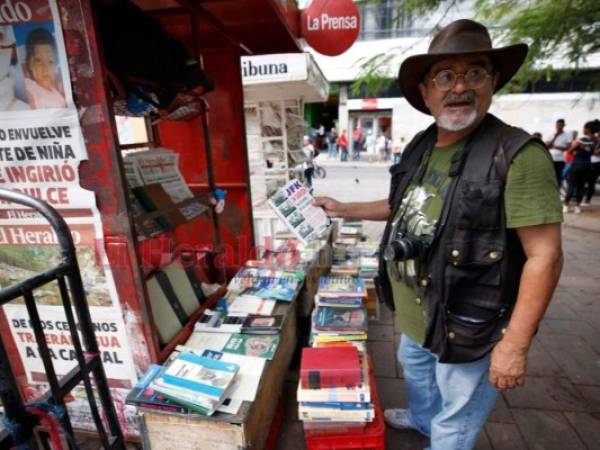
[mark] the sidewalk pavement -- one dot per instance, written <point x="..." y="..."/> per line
<point x="559" y="406"/>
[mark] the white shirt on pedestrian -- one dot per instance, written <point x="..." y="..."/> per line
<point x="562" y="140"/>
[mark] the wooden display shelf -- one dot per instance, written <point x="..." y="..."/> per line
<point x="249" y="428"/>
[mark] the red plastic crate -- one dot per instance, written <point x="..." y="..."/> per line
<point x="371" y="437"/>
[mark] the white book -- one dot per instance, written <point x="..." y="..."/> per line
<point x="294" y="206"/>
<point x="250" y="304"/>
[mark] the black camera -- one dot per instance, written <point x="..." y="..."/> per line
<point x="405" y="247"/>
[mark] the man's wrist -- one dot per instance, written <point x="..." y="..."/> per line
<point x="519" y="341"/>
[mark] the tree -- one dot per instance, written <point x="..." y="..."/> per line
<point x="566" y="30"/>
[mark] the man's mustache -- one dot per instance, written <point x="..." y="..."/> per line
<point x="465" y="97"/>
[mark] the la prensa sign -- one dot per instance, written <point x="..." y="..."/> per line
<point x="330" y="26"/>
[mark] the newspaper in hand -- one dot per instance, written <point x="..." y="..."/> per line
<point x="294" y="205"/>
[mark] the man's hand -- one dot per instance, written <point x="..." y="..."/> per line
<point x="218" y="205"/>
<point x="332" y="207"/>
<point x="508" y="365"/>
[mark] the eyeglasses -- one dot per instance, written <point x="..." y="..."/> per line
<point x="445" y="80"/>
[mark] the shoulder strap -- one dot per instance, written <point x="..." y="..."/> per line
<point x="510" y="142"/>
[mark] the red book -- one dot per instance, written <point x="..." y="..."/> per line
<point x="325" y="367"/>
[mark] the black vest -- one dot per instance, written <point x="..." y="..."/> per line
<point x="470" y="276"/>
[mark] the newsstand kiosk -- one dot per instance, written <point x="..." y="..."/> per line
<point x="203" y="127"/>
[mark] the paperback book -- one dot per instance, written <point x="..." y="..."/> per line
<point x="219" y="322"/>
<point x="255" y="324"/>
<point x="340" y="319"/>
<point x="294" y="205"/>
<point x="143" y="395"/>
<point x="201" y="384"/>
<point x="252" y="345"/>
<point x="342" y="287"/>
<point x="251" y="304"/>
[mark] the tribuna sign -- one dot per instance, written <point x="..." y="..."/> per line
<point x="252" y="70"/>
<point x="330" y="26"/>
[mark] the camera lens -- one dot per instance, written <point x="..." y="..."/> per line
<point x="400" y="250"/>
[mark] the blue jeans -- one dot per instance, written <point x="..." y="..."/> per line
<point x="449" y="403"/>
<point x="332" y="151"/>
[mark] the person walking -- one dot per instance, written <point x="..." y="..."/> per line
<point x="343" y="145"/>
<point x="471" y="253"/>
<point x="369" y="145"/>
<point x="582" y="151"/>
<point x="397" y="147"/>
<point x="594" y="172"/>
<point x="332" y="137"/>
<point x="309" y="166"/>
<point x="558" y="145"/>
<point x="380" y="146"/>
<point x="358" y="140"/>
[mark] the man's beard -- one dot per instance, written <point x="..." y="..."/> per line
<point x="447" y="122"/>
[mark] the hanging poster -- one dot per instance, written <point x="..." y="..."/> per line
<point x="41" y="149"/>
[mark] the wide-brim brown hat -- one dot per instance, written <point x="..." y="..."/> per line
<point x="462" y="37"/>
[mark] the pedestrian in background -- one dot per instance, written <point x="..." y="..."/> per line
<point x="380" y="145"/>
<point x="582" y="150"/>
<point x="397" y="147"/>
<point x="332" y="137"/>
<point x="343" y="145"/>
<point x="594" y="173"/>
<point x="558" y="145"/>
<point x="309" y="166"/>
<point x="358" y="140"/>
<point x="369" y="145"/>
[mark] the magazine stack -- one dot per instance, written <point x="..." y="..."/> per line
<point x="334" y="389"/>
<point x="340" y="314"/>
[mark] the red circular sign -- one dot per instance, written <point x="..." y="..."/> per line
<point x="330" y="26"/>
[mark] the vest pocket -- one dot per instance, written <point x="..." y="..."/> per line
<point x="479" y="205"/>
<point x="473" y="304"/>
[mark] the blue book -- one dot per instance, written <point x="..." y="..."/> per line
<point x="344" y="406"/>
<point x="198" y="375"/>
<point x="143" y="395"/>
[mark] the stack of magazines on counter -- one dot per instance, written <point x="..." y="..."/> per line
<point x="340" y="314"/>
<point x="220" y="365"/>
<point x="334" y="388"/>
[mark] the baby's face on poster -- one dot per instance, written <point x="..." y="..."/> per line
<point x="42" y="66"/>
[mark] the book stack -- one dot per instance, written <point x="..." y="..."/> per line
<point x="342" y="291"/>
<point x="334" y="388"/>
<point x="339" y="324"/>
<point x="197" y="383"/>
<point x="340" y="314"/>
<point x="368" y="267"/>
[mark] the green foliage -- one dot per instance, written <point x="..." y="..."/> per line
<point x="372" y="75"/>
<point x="569" y="30"/>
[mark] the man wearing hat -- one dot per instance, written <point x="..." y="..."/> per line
<point x="471" y="253"/>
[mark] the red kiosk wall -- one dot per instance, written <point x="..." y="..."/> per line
<point x="229" y="158"/>
<point x="102" y="173"/>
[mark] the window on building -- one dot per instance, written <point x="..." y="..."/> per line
<point x="386" y="19"/>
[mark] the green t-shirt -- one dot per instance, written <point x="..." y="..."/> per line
<point x="531" y="197"/>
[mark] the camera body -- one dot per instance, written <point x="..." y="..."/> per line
<point x="406" y="246"/>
